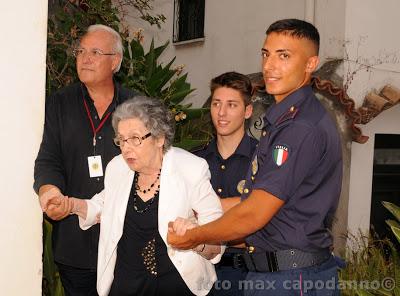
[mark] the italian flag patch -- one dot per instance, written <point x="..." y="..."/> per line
<point x="280" y="154"/>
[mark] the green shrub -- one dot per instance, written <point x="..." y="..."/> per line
<point x="371" y="267"/>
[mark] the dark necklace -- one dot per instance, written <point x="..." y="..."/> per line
<point x="149" y="203"/>
<point x="137" y="187"/>
<point x="135" y="195"/>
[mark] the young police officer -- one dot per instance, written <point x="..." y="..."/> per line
<point x="293" y="185"/>
<point x="228" y="156"/>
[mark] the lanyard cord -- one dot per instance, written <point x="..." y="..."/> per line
<point x="95" y="130"/>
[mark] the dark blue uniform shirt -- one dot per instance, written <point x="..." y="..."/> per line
<point x="298" y="160"/>
<point x="226" y="174"/>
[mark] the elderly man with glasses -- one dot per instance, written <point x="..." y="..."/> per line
<point x="76" y="147"/>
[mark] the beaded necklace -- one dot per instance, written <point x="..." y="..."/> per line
<point x="137" y="188"/>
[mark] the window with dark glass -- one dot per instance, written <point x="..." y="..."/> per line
<point x="385" y="183"/>
<point x="188" y="20"/>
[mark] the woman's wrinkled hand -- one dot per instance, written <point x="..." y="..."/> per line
<point x="182" y="241"/>
<point x="180" y="225"/>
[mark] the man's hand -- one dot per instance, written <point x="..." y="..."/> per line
<point x="54" y="203"/>
<point x="59" y="208"/>
<point x="184" y="242"/>
<point x="49" y="194"/>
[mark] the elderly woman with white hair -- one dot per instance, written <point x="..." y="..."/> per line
<point x="148" y="185"/>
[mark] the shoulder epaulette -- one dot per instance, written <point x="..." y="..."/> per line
<point x="289" y="114"/>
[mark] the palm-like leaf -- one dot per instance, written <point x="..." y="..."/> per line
<point x="394" y="209"/>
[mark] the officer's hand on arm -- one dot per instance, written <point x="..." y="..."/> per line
<point x="243" y="219"/>
<point x="181" y="225"/>
<point x="229" y="202"/>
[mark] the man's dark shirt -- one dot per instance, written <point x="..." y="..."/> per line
<point x="63" y="161"/>
<point x="227" y="173"/>
<point x="298" y="160"/>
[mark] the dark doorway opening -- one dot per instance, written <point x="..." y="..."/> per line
<point x="385" y="183"/>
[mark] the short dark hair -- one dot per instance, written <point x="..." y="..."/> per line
<point x="296" y="28"/>
<point x="234" y="80"/>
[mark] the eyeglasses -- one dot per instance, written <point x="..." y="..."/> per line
<point x="132" y="141"/>
<point x="93" y="53"/>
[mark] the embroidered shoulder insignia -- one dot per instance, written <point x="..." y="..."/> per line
<point x="280" y="154"/>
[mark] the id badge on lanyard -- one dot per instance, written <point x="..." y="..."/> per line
<point x="94" y="162"/>
<point x="95" y="166"/>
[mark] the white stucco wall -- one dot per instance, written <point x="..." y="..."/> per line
<point x="234" y="34"/>
<point x="22" y="83"/>
<point x="362" y="156"/>
<point x="329" y="18"/>
<point x="371" y="39"/>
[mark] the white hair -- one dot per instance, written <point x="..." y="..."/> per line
<point x="117" y="47"/>
<point x="154" y="114"/>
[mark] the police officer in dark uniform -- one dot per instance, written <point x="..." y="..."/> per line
<point x="228" y="155"/>
<point x="293" y="186"/>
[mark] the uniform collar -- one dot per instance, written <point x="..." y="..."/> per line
<point x="211" y="147"/>
<point x="294" y="99"/>
<point x="244" y="147"/>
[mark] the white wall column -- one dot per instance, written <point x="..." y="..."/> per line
<point x="23" y="28"/>
<point x="309" y="11"/>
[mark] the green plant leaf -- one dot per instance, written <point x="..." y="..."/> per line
<point x="136" y="49"/>
<point x="159" y="50"/>
<point x="59" y="290"/>
<point x="189" y="144"/>
<point x="160" y="77"/>
<point x="396" y="232"/>
<point x="394" y="209"/>
<point x="195" y="112"/>
<point x="363" y="293"/>
<point x="53" y="285"/>
<point x="178" y="96"/>
<point x="383" y="292"/>
<point x="150" y="61"/>
<point x="392" y="223"/>
<point x="396" y="290"/>
<point x="48" y="263"/>
<point x="179" y="85"/>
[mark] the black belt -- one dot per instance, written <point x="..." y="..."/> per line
<point x="234" y="260"/>
<point x="283" y="260"/>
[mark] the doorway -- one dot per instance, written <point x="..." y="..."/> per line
<point x="385" y="182"/>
